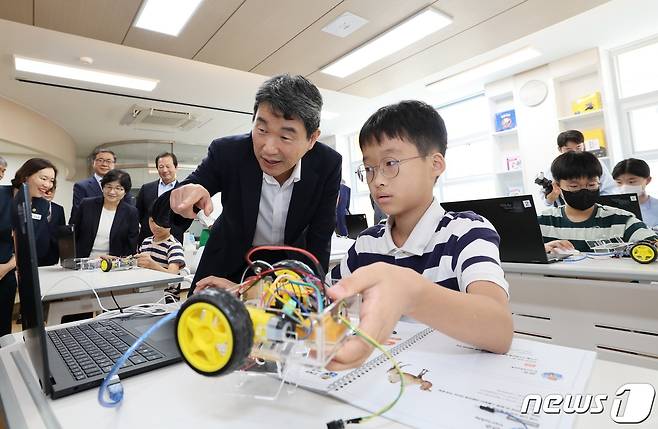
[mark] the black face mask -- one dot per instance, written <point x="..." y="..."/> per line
<point x="581" y="200"/>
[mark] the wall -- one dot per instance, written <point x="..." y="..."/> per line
<point x="25" y="128"/>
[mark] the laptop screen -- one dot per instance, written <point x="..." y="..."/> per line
<point x="356" y="223"/>
<point x="628" y="202"/>
<point x="29" y="289"/>
<point x="515" y="219"/>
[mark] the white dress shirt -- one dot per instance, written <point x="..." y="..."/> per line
<point x="162" y="188"/>
<point x="273" y="208"/>
<point x="102" y="241"/>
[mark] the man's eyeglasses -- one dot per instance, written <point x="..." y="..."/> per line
<point x="389" y="168"/>
<point x="104" y="161"/>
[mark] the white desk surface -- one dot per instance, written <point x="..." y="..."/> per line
<point x="609" y="269"/>
<point x="57" y="282"/>
<point x="177" y="397"/>
<point x="339" y="248"/>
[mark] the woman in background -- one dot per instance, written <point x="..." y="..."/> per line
<point x="107" y="225"/>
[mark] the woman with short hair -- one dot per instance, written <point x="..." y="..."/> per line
<point x="107" y="225"/>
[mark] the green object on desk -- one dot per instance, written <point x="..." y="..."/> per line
<point x="203" y="239"/>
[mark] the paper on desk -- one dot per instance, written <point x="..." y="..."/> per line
<point x="461" y="379"/>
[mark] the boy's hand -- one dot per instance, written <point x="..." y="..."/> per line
<point x="386" y="297"/>
<point x="144" y="260"/>
<point x="558" y="244"/>
<point x="552" y="196"/>
<point x="212" y="281"/>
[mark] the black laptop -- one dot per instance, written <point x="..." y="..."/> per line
<point x="515" y="219"/>
<point x="356" y="224"/>
<point x="66" y="246"/>
<point x="69" y="360"/>
<point x="628" y="202"/>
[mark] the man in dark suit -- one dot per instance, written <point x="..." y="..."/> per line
<point x="167" y="165"/>
<point x="103" y="160"/>
<point x="278" y="184"/>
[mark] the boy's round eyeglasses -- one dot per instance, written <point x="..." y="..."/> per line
<point x="388" y="167"/>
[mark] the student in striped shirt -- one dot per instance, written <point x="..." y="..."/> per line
<point x="161" y="251"/>
<point x="442" y="269"/>
<point x="581" y="219"/>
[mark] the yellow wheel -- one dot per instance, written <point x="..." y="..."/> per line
<point x="214" y="332"/>
<point x="106" y="265"/>
<point x="644" y="253"/>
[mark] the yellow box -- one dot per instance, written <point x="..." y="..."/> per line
<point x="595" y="142"/>
<point x="588" y="103"/>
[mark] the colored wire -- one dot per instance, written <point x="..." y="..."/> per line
<point x="115" y="393"/>
<point x="368" y="339"/>
<point x="304" y="252"/>
<point x="318" y="295"/>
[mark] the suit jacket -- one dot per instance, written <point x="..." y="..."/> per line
<point x="123" y="234"/>
<point x="57" y="217"/>
<point x="88" y="188"/>
<point x="342" y="209"/>
<point x="147" y="195"/>
<point x="232" y="169"/>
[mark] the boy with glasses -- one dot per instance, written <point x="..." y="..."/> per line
<point x="581" y="219"/>
<point x="440" y="268"/>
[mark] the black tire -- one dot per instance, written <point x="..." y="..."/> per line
<point x="240" y="324"/>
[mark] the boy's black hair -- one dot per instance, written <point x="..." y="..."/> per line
<point x="570" y="136"/>
<point x="576" y="165"/>
<point x="414" y="121"/>
<point x="117" y="175"/>
<point x="160" y="213"/>
<point x="634" y="166"/>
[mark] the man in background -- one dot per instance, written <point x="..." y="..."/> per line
<point x="167" y="165"/>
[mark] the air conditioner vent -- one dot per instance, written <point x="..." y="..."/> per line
<point x="159" y="119"/>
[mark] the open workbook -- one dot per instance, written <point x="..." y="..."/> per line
<point x="446" y="382"/>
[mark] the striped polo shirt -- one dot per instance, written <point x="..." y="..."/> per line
<point x="166" y="252"/>
<point x="451" y="249"/>
<point x="605" y="223"/>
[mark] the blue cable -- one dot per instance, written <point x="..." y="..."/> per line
<point x="111" y="383"/>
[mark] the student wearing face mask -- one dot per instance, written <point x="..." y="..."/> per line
<point x="578" y="175"/>
<point x="632" y="176"/>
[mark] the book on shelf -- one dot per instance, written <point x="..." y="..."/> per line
<point x="587" y="103"/>
<point x="505" y="120"/>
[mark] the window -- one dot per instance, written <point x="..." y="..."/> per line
<point x="642" y="122"/>
<point x="637" y="69"/>
<point x="637" y="102"/>
<point x="470" y="172"/>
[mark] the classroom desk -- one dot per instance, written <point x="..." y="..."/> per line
<point x="176" y="396"/>
<point x="609" y="306"/>
<point x="623" y="269"/>
<point x="70" y="292"/>
<point x="339" y="248"/>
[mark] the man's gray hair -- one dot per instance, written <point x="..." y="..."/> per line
<point x="3" y="162"/>
<point x="293" y="97"/>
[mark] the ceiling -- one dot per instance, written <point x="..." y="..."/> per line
<point x="270" y="37"/>
<point x="220" y="98"/>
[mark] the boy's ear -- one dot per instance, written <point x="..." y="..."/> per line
<point x="648" y="180"/>
<point x="438" y="164"/>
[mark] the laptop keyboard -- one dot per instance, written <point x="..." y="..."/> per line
<point x="92" y="349"/>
